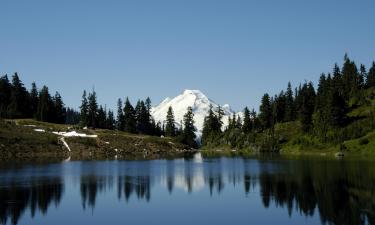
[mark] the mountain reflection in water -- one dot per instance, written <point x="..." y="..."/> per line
<point x="335" y="192"/>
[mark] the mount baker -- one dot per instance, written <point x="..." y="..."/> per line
<point x="198" y="101"/>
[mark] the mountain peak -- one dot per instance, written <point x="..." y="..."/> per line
<point x="193" y="98"/>
<point x="192" y="92"/>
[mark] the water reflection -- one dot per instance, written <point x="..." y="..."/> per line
<point x="337" y="192"/>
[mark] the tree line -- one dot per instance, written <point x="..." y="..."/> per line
<point x="17" y="102"/>
<point x="322" y="113"/>
<point x="136" y="120"/>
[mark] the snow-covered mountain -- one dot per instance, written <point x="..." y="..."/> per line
<point x="194" y="98"/>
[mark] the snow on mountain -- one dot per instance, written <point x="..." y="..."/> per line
<point x="194" y="98"/>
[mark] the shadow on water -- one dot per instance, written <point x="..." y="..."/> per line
<point x="338" y="192"/>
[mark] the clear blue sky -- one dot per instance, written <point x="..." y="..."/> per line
<point x="232" y="50"/>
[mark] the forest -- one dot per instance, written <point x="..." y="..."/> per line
<point x="323" y="113"/>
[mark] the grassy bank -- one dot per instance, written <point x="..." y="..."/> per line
<point x="28" y="138"/>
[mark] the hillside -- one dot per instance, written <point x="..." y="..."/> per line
<point x="26" y="138"/>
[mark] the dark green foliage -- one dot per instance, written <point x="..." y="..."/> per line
<point x="101" y="117"/>
<point x="170" y="127"/>
<point x="5" y="93"/>
<point x="72" y="117"/>
<point x="34" y="98"/>
<point x="279" y="107"/>
<point x="59" y="109"/>
<point x="92" y="115"/>
<point x="306" y="111"/>
<point x="290" y="111"/>
<point x="212" y="125"/>
<point x="265" y="112"/>
<point x="19" y="105"/>
<point x="110" y="120"/>
<point x="247" y="124"/>
<point x="370" y="80"/>
<point x="120" y="122"/>
<point x="129" y="117"/>
<point x="188" y="135"/>
<point x="84" y="110"/>
<point x="363" y="141"/>
<point x="45" y="106"/>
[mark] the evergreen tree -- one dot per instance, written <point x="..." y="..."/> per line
<point x="280" y="106"/>
<point x="129" y="117"/>
<point x="370" y="80"/>
<point x="239" y="122"/>
<point x="247" y="124"/>
<point x="170" y="128"/>
<point x="110" y="124"/>
<point x="188" y="135"/>
<point x="362" y="76"/>
<point x="211" y="125"/>
<point x="58" y="109"/>
<point x="72" y="116"/>
<point x="84" y="110"/>
<point x="101" y="118"/>
<point x="337" y="107"/>
<point x="307" y="106"/>
<point x="5" y="93"/>
<point x="290" y="112"/>
<point x="19" y="99"/>
<point x="120" y="116"/>
<point x="33" y="99"/>
<point x="92" y="110"/>
<point x="45" y="109"/>
<point x="350" y="78"/>
<point x="265" y="112"/>
<point x="149" y="127"/>
<point x="255" y="119"/>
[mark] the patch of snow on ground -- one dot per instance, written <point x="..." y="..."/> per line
<point x="74" y="134"/>
<point x="39" y="130"/>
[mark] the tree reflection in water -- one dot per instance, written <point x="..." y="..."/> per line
<point x="339" y="192"/>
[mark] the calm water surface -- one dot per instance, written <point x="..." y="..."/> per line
<point x="189" y="191"/>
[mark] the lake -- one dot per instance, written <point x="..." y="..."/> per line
<point x="261" y="190"/>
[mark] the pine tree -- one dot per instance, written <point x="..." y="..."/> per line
<point x="45" y="111"/>
<point x="84" y="110"/>
<point x="120" y="116"/>
<point x="255" y="119"/>
<point x="101" y="117"/>
<point x="280" y="106"/>
<point x="129" y="117"/>
<point x="58" y="109"/>
<point x="362" y="76"/>
<point x="290" y="112"/>
<point x="337" y="107"/>
<point x="307" y="106"/>
<point x="34" y="99"/>
<point x="265" y="112"/>
<point x="239" y="122"/>
<point x="188" y="135"/>
<point x="247" y="124"/>
<point x="72" y="116"/>
<point x="92" y="110"/>
<point x="5" y="93"/>
<point x="19" y="104"/>
<point x="370" y="80"/>
<point x="209" y="127"/>
<point x="110" y="124"/>
<point x="170" y="128"/>
<point x="149" y="127"/>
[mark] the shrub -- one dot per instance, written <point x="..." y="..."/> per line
<point x="363" y="141"/>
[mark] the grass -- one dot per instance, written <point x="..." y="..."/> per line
<point x="364" y="145"/>
<point x="19" y="139"/>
